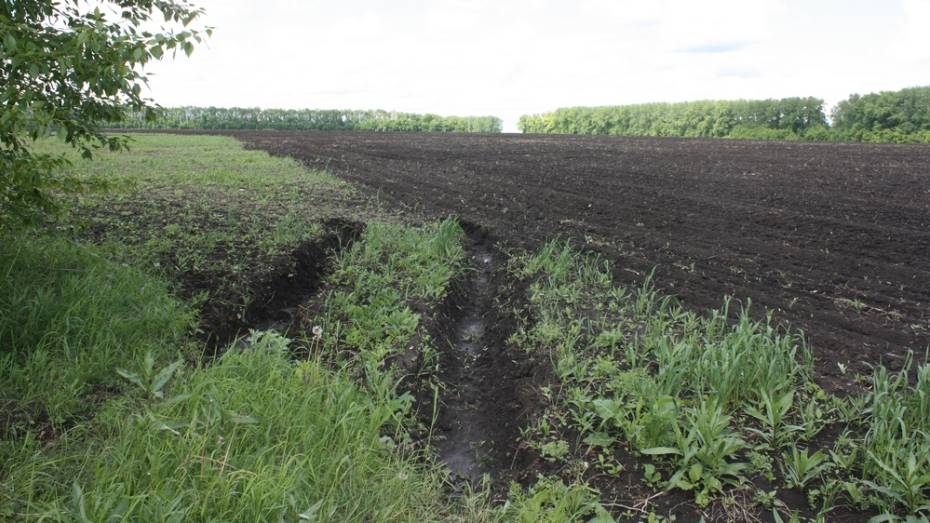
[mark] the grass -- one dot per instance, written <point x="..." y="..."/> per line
<point x="111" y="412"/>
<point x="709" y="405"/>
<point x="200" y="209"/>
<point x="892" y="459"/>
<point x="377" y="283"/>
<point x="254" y="436"/>
<point x="68" y="317"/>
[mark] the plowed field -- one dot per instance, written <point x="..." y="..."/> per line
<point x="834" y="238"/>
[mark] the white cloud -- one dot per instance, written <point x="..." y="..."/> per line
<point x="511" y="57"/>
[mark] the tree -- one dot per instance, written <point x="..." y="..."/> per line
<point x="66" y="66"/>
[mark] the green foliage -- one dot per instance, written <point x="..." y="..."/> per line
<point x="896" y="447"/>
<point x="639" y="371"/>
<point x="378" y="280"/>
<point x="800" y="468"/>
<point x="887" y="117"/>
<point x="64" y="67"/>
<point x="254" y="437"/>
<point x="710" y="118"/>
<point x="552" y="501"/>
<point x="306" y="119"/>
<point x="713" y="399"/>
<point x="68" y="318"/>
<point x="150" y="380"/>
<point x="706" y="453"/>
<point x="771" y="412"/>
<point x="900" y="114"/>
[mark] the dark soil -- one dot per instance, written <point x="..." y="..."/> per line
<point x="834" y="238"/>
<point x="294" y="279"/>
<point x="483" y="378"/>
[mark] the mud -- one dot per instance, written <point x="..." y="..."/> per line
<point x="481" y="411"/>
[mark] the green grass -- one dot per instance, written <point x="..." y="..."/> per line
<point x="254" y="437"/>
<point x="109" y="417"/>
<point x="377" y="283"/>
<point x="892" y="459"/>
<point x="708" y="403"/>
<point x="202" y="162"/>
<point x="204" y="209"/>
<point x="68" y="318"/>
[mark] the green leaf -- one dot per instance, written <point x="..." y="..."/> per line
<point x="607" y="409"/>
<point x="881" y="518"/>
<point x="600" y="439"/>
<point x="131" y="376"/>
<point x="176" y="399"/>
<point x="243" y="419"/>
<point x="164" y="376"/>
<point x="311" y="513"/>
<point x="661" y="451"/>
<point x="695" y="472"/>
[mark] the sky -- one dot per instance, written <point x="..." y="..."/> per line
<point x="513" y="57"/>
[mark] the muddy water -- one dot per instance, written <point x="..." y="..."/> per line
<point x="466" y="411"/>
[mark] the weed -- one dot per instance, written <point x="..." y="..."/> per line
<point x="771" y="413"/>
<point x="896" y="446"/>
<point x="551" y="501"/>
<point x="640" y="370"/>
<point x="152" y="383"/>
<point x="800" y="468"/>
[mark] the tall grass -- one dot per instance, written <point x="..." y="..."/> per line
<point x="68" y="318"/>
<point x="252" y="438"/>
<point x="895" y="451"/>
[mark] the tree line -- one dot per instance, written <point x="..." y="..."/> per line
<point x="305" y="119"/>
<point x="886" y="116"/>
<point x="894" y="116"/>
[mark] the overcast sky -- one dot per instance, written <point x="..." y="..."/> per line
<point x="510" y="57"/>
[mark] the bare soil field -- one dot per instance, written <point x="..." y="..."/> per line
<point x="834" y="238"/>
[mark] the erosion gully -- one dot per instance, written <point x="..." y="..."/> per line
<point x="481" y="404"/>
<point x="296" y="278"/>
<point x="480" y="410"/>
